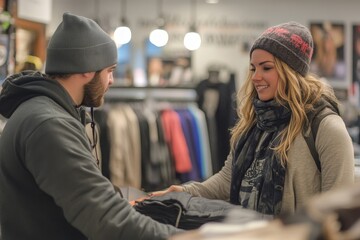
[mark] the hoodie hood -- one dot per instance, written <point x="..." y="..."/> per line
<point x="323" y="103"/>
<point x="20" y="87"/>
<point x="326" y="102"/>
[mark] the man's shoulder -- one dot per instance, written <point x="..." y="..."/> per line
<point x="39" y="110"/>
<point x="43" y="106"/>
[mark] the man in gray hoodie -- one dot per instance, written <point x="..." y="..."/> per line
<point x="50" y="183"/>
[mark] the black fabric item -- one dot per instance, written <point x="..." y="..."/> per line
<point x="272" y="118"/>
<point x="149" y="181"/>
<point x="184" y="211"/>
<point x="213" y="141"/>
<point x="155" y="157"/>
<point x="222" y="121"/>
<point x="233" y="117"/>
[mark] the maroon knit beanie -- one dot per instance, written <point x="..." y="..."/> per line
<point x="291" y="42"/>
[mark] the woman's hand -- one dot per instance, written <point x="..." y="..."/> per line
<point x="172" y="188"/>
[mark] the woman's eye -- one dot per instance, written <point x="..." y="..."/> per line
<point x="267" y="68"/>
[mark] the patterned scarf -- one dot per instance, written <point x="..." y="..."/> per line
<point x="271" y="118"/>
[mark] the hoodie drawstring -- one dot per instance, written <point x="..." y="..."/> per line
<point x="94" y="135"/>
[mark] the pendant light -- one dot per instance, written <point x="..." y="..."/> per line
<point x="192" y="39"/>
<point x="122" y="34"/>
<point x="212" y="1"/>
<point x="159" y="37"/>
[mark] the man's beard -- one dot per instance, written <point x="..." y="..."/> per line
<point x="93" y="92"/>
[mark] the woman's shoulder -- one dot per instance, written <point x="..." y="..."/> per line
<point x="332" y="122"/>
<point x="333" y="132"/>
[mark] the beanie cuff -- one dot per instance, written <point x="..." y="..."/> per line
<point x="81" y="60"/>
<point x="282" y="52"/>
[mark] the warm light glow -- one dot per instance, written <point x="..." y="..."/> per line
<point x="159" y="37"/>
<point x="212" y="1"/>
<point x="122" y="35"/>
<point x="192" y="41"/>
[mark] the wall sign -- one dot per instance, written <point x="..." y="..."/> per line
<point x="35" y="10"/>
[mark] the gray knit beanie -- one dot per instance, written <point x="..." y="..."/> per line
<point x="79" y="45"/>
<point x="291" y="42"/>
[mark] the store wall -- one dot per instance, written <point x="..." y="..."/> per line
<point x="228" y="28"/>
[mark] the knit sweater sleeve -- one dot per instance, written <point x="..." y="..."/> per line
<point x="336" y="153"/>
<point x="215" y="187"/>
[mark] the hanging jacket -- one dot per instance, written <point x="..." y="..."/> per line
<point x="50" y="184"/>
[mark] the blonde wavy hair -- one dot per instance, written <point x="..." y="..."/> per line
<point x="295" y="91"/>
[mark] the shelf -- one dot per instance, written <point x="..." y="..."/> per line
<point x="153" y="93"/>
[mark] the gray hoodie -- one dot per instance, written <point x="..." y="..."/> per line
<point x="50" y="185"/>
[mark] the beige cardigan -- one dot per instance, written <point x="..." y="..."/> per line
<point x="302" y="180"/>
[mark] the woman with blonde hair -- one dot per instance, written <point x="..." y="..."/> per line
<point x="270" y="167"/>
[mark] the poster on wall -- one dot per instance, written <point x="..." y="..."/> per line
<point x="168" y="66"/>
<point x="355" y="64"/>
<point x="356" y="54"/>
<point x="328" y="59"/>
<point x="123" y="73"/>
<point x="4" y="48"/>
<point x="35" y="10"/>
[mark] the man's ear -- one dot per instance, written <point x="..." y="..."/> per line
<point x="88" y="76"/>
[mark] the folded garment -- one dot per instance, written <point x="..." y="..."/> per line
<point x="184" y="211"/>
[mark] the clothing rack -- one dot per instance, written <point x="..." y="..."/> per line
<point x="185" y="94"/>
<point x="149" y="126"/>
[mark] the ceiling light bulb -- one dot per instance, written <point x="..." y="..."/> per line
<point x="159" y="37"/>
<point x="212" y="1"/>
<point x="192" y="41"/>
<point x="122" y="35"/>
